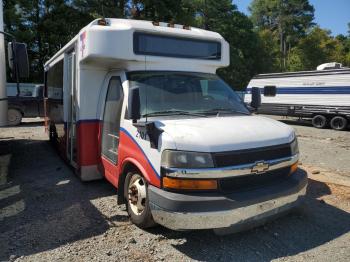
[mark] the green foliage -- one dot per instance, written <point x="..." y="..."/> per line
<point x="289" y="19"/>
<point x="181" y="11"/>
<point x="46" y="26"/>
<point x="318" y="47"/>
<point x="279" y="35"/>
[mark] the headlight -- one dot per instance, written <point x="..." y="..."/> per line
<point x="294" y="147"/>
<point x="184" y="159"/>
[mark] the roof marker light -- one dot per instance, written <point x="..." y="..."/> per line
<point x="186" y="27"/>
<point x="155" y="23"/>
<point x="171" y="25"/>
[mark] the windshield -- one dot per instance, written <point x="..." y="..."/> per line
<point x="167" y="93"/>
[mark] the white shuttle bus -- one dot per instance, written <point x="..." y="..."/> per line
<point x="322" y="95"/>
<point x="142" y="107"/>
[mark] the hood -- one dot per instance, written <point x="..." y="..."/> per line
<point x="216" y="134"/>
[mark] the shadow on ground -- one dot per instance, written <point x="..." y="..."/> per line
<point x="43" y="205"/>
<point x="315" y="224"/>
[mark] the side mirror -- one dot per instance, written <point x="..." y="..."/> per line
<point x="134" y="104"/>
<point x="18" y="60"/>
<point x="270" y="91"/>
<point x="256" y="98"/>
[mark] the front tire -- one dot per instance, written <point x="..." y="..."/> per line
<point x="137" y="200"/>
<point x="14" y="117"/>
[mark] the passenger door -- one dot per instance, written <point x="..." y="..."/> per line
<point x="71" y="120"/>
<point x="111" y="116"/>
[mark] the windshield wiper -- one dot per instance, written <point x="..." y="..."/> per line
<point x="173" y="112"/>
<point x="223" y="111"/>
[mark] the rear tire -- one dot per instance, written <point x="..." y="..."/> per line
<point x="339" y="123"/>
<point x="319" y="121"/>
<point x="14" y="117"/>
<point x="137" y="200"/>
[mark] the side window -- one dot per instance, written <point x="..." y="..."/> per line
<point x="270" y="91"/>
<point x="55" y="81"/>
<point x="111" y="119"/>
<point x="214" y="89"/>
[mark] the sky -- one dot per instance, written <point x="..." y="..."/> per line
<point x="329" y="14"/>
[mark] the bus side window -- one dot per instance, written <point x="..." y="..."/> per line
<point x="270" y="90"/>
<point x="111" y="119"/>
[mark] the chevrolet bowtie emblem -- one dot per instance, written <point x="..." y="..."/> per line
<point x="260" y="167"/>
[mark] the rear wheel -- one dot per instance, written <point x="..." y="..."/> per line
<point x="14" y="117"/>
<point x="137" y="201"/>
<point x="339" y="123"/>
<point x="319" y="121"/>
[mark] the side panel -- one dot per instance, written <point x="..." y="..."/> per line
<point x="325" y="90"/>
<point x="90" y="82"/>
<point x="131" y="150"/>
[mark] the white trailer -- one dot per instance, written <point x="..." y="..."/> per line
<point x="323" y="95"/>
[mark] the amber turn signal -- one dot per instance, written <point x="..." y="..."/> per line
<point x="293" y="167"/>
<point x="189" y="184"/>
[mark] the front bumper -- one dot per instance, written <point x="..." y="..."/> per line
<point x="186" y="211"/>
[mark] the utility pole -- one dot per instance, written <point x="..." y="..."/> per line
<point x="3" y="93"/>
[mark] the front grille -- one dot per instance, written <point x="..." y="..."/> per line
<point x="252" y="181"/>
<point x="246" y="156"/>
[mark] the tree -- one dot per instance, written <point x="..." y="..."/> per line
<point x="45" y="25"/>
<point x="181" y="11"/>
<point x="318" y="47"/>
<point x="97" y="8"/>
<point x="290" y="18"/>
<point x="222" y="16"/>
<point x="268" y="51"/>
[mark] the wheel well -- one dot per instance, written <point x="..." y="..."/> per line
<point x="18" y="109"/>
<point x="128" y="167"/>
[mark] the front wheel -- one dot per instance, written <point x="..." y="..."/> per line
<point x="14" y="117"/>
<point x="137" y="201"/>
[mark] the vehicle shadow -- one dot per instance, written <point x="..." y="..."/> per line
<point x="315" y="224"/>
<point x="42" y="204"/>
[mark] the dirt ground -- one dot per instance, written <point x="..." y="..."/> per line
<point x="47" y="214"/>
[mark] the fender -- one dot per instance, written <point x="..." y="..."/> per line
<point x="140" y="167"/>
<point x="137" y="164"/>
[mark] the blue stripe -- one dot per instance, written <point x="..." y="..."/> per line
<point x="88" y="121"/>
<point x="324" y="90"/>
<point x="133" y="139"/>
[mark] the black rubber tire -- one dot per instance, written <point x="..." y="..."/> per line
<point x="319" y="121"/>
<point x="14" y="117"/>
<point x="339" y="123"/>
<point x="145" y="219"/>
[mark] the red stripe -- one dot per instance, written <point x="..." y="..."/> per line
<point x="89" y="141"/>
<point x="129" y="151"/>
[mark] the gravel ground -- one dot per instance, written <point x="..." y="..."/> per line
<point x="47" y="214"/>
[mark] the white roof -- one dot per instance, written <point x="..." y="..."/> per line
<point x="112" y="45"/>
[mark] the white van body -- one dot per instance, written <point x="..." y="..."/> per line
<point x="178" y="162"/>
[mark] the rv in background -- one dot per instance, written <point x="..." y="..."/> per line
<point x="322" y="95"/>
